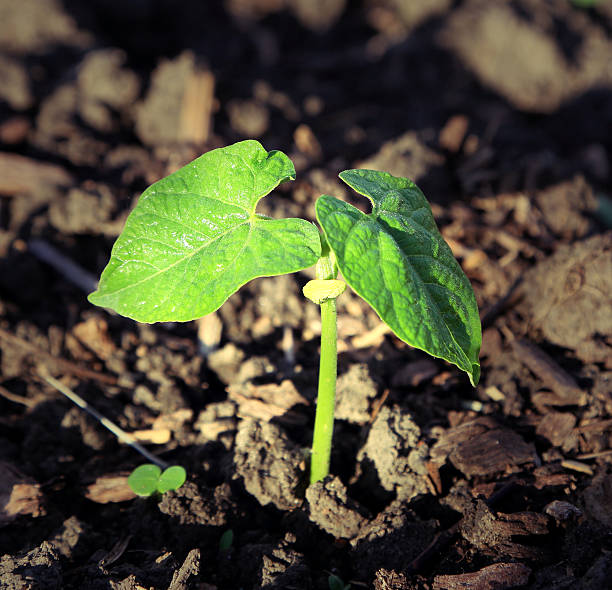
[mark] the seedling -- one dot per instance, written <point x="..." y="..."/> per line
<point x="584" y="3"/>
<point x="146" y="479"/>
<point x="336" y="583"/>
<point x="194" y="238"/>
<point x="149" y="479"/>
<point x="227" y="540"/>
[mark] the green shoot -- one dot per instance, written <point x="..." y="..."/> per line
<point x="227" y="540"/>
<point x="336" y="583"/>
<point x="149" y="479"/>
<point x="323" y="291"/>
<point x="195" y="238"/>
<point x="584" y="3"/>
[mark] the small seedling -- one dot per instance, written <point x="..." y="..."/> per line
<point x="584" y="3"/>
<point x="195" y="238"/>
<point x="149" y="479"/>
<point x="227" y="540"/>
<point x="336" y="583"/>
<point x="144" y="480"/>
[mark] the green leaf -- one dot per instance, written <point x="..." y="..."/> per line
<point x="396" y="259"/>
<point x="171" y="479"/>
<point x="226" y="540"/>
<point x="336" y="583"/>
<point x="143" y="480"/>
<point x="194" y="238"/>
<point x="584" y="3"/>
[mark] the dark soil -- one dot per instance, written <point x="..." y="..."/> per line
<point x="501" y="112"/>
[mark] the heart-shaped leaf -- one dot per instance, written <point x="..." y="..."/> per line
<point x="194" y="238"/>
<point x="143" y="480"/>
<point x="171" y="479"/>
<point x="149" y="479"/>
<point x="226" y="540"/>
<point x="396" y="259"/>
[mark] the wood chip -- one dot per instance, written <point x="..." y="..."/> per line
<point x="210" y="329"/>
<point x="173" y="421"/>
<point x="551" y="475"/>
<point x="522" y="523"/>
<point x="475" y="259"/>
<point x="433" y="471"/>
<point x="453" y="133"/>
<point x="159" y="436"/>
<point x="197" y="106"/>
<point x="499" y="576"/>
<point x="596" y="426"/>
<point x="19" y="495"/>
<point x="93" y="333"/>
<point x="19" y="174"/>
<point x="374" y="337"/>
<point x="217" y="422"/>
<point x="512" y="243"/>
<point x="267" y="402"/>
<point x="576" y="466"/>
<point x="595" y="455"/>
<point x="552" y="374"/>
<point x="488" y="530"/>
<point x="110" y="488"/>
<point x="542" y="399"/>
<point x="307" y="143"/>
<point x="494" y="451"/>
<point x="26" y="498"/>
<point x="482" y="447"/>
<point x="212" y="430"/>
<point x="495" y="393"/>
<point x="556" y="427"/>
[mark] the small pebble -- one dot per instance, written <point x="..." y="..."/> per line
<point x="561" y="510"/>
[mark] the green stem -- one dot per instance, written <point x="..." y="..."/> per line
<point x="326" y="399"/>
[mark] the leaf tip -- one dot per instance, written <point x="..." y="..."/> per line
<point x="475" y="374"/>
<point x="350" y="176"/>
<point x="94" y="296"/>
<point x="287" y="169"/>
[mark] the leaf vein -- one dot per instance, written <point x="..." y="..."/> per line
<point x="190" y="255"/>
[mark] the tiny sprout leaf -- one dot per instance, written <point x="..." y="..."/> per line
<point x="148" y="479"/>
<point x="171" y="479"/>
<point x="396" y="259"/>
<point x="226" y="540"/>
<point x="194" y="238"/>
<point x="336" y="583"/>
<point x="143" y="480"/>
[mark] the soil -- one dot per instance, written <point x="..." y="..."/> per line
<point x="501" y="111"/>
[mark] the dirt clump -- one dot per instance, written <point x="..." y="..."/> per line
<point x="267" y="462"/>
<point x="568" y="299"/>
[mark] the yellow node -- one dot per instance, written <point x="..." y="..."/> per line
<point x="319" y="290"/>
